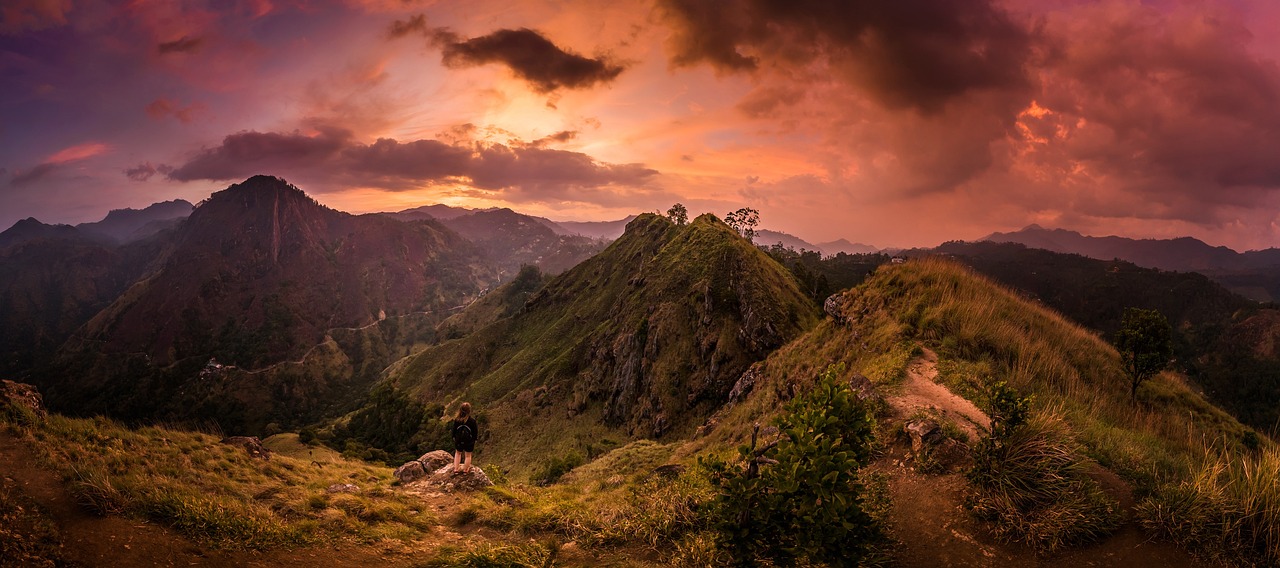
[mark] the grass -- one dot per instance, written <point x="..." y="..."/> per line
<point x="1032" y="486"/>
<point x="489" y="555"/>
<point x="216" y="493"/>
<point x="1229" y="510"/>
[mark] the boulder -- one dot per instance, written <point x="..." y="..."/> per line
<point x="434" y="460"/>
<point x="450" y="479"/>
<point x="410" y="471"/>
<point x="22" y="395"/>
<point x="864" y="388"/>
<point x="923" y="433"/>
<point x="343" y="488"/>
<point x="744" y="385"/>
<point x="834" y="307"/>
<point x="251" y="445"/>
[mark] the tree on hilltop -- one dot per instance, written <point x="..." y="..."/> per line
<point x="678" y="214"/>
<point x="1144" y="345"/>
<point x="744" y="221"/>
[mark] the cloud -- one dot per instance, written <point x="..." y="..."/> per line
<point x="522" y="171"/>
<point x="915" y="54"/>
<point x="164" y="108"/>
<point x="184" y="44"/>
<point x="36" y="173"/>
<point x="77" y="152"/>
<point x="144" y="171"/>
<point x="527" y="53"/>
<point x="17" y="16"/>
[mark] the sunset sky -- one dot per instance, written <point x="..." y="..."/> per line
<point x="899" y="123"/>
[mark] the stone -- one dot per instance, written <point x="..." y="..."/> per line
<point x="343" y="488"/>
<point x="834" y="307"/>
<point x="22" y="395"/>
<point x="457" y="480"/>
<point x="251" y="445"/>
<point x="744" y="385"/>
<point x="923" y="433"/>
<point x="434" y="460"/>
<point x="410" y="471"/>
<point x="669" y="471"/>
<point x="864" y="388"/>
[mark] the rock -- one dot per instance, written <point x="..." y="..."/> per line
<point x="864" y="388"/>
<point x="923" y="433"/>
<point x="251" y="444"/>
<point x="448" y="479"/>
<point x="434" y="460"/>
<point x="343" y="488"/>
<point x="744" y="385"/>
<point x="669" y="471"/>
<point x="411" y="471"/>
<point x="24" y="396"/>
<point x="834" y="307"/>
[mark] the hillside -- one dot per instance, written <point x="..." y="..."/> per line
<point x="128" y="225"/>
<point x="511" y="240"/>
<point x="259" y="274"/>
<point x="642" y="340"/>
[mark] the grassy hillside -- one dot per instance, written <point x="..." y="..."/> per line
<point x="643" y="340"/>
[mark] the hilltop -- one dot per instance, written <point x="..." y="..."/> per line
<point x="640" y="341"/>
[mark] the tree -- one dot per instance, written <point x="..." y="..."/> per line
<point x="678" y="214"/>
<point x="744" y="221"/>
<point x="1144" y="345"/>
<point x="798" y="496"/>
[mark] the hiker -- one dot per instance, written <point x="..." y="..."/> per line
<point x="465" y="432"/>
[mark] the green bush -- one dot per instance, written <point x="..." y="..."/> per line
<point x="553" y="469"/>
<point x="806" y="502"/>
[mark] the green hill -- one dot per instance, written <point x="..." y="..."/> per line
<point x="643" y="340"/>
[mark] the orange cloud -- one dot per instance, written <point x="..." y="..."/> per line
<point x="77" y="152"/>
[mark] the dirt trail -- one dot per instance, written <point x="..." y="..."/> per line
<point x="930" y="521"/>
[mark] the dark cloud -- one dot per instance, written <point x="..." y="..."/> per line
<point x="36" y="173"/>
<point x="164" y="108"/>
<point x="247" y="153"/>
<point x="906" y="54"/>
<point x="144" y="171"/>
<point x="531" y="171"/>
<point x="532" y="57"/>
<point x="557" y="138"/>
<point x="184" y="44"/>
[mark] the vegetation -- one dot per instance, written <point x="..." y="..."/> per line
<point x="216" y="493"/>
<point x="799" y="497"/>
<point x="678" y="214"/>
<point x="1143" y="341"/>
<point x="1030" y="481"/>
<point x="744" y="222"/>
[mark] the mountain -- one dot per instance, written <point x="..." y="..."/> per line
<point x="513" y="239"/>
<point x="608" y="230"/>
<point x="439" y="212"/>
<point x="258" y="275"/>
<point x="844" y="246"/>
<point x="31" y="229"/>
<point x="767" y="238"/>
<point x="127" y="225"/>
<point x="642" y="340"/>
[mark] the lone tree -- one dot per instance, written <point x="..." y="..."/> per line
<point x="1144" y="344"/>
<point x="744" y="221"/>
<point x="678" y="214"/>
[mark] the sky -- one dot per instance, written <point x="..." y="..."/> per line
<point x="902" y="123"/>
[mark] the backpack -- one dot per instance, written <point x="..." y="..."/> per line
<point x="462" y="434"/>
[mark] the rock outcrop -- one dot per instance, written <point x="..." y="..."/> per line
<point x="343" y="488"/>
<point x="411" y="471"/>
<point x="449" y="479"/>
<point x="22" y="395"/>
<point x="251" y="445"/>
<point x="434" y="460"/>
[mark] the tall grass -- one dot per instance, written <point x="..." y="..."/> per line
<point x="1230" y="509"/>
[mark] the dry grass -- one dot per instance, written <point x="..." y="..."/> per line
<point x="216" y="493"/>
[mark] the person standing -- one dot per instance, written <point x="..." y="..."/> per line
<point x="465" y="433"/>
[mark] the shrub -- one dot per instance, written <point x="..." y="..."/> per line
<point x="1030" y="483"/>
<point x="555" y="468"/>
<point x="806" y="503"/>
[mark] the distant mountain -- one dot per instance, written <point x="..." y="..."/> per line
<point x="128" y="225"/>
<point x="844" y="246"/>
<point x="642" y="340"/>
<point x="439" y="212"/>
<point x="512" y="240"/>
<point x="31" y="229"/>
<point x="1255" y="274"/>
<point x="260" y="273"/>
<point x="767" y="238"/>
<point x="596" y="229"/>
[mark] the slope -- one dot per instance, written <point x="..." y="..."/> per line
<point x="643" y="340"/>
<point x="259" y="274"/>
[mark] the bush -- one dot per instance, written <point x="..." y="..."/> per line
<point x="555" y="468"/>
<point x="806" y="503"/>
<point x="1030" y="482"/>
